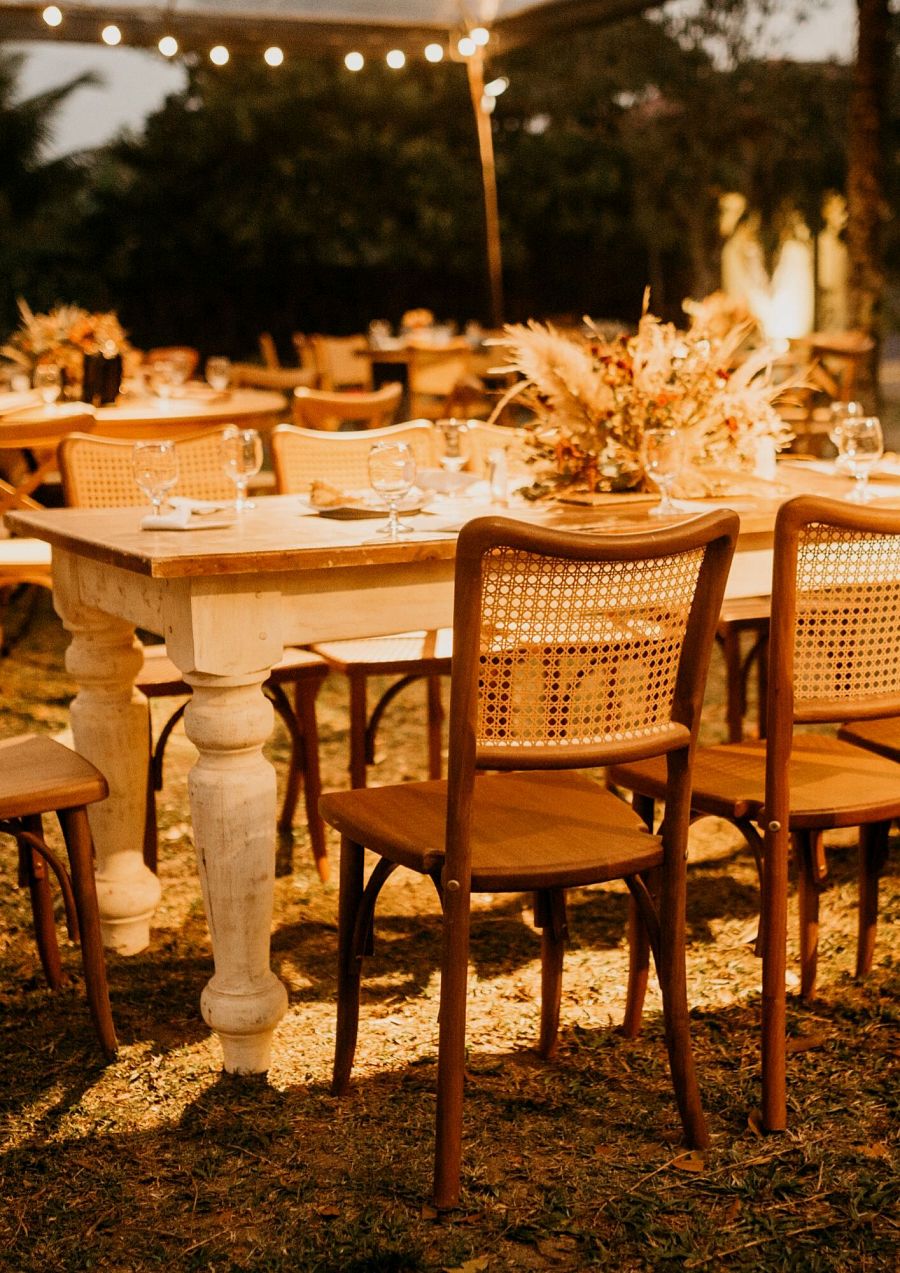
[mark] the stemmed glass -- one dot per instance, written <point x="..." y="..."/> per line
<point x="661" y="452"/>
<point x="452" y="460"/>
<point x="392" y="471"/>
<point x="155" y="466"/>
<point x="48" y="382"/>
<point x="860" y="447"/>
<point x="840" y="413"/>
<point x="241" y="451"/>
<point x="218" y="373"/>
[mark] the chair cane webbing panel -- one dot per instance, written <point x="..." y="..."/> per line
<point x="580" y="652"/>
<point x="847" y="637"/>
<point x="343" y="459"/>
<point x="101" y="475"/>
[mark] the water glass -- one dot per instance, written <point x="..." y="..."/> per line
<point x="218" y="373"/>
<point x="452" y="460"/>
<point x="162" y="377"/>
<point x="155" y="466"/>
<point x="48" y="382"/>
<point x="860" y="447"/>
<point x="241" y="451"/>
<point x="661" y="452"/>
<point x="392" y="471"/>
<point x="841" y="412"/>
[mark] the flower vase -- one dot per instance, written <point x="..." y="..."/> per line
<point x="101" y="379"/>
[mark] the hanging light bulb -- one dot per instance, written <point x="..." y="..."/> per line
<point x="354" y="61"/>
<point x="111" y="35"/>
<point x="434" y="53"/>
<point x="480" y="36"/>
<point x="497" y="86"/>
<point x="168" y="46"/>
<point x="396" y="59"/>
<point x="52" y="15"/>
<point x="274" y="56"/>
<point x="466" y="46"/>
<point x="219" y="55"/>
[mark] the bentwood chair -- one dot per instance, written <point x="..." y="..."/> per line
<point x="97" y="473"/>
<point x="834" y="656"/>
<point x="570" y="651"/>
<point x="38" y="776"/>
<point x="342" y="362"/>
<point x="331" y="410"/>
<point x="304" y="456"/>
<point x="435" y="373"/>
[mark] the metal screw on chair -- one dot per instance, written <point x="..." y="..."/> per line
<point x="774" y="826"/>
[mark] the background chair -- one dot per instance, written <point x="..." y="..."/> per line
<point x="342" y="362"/>
<point x="541" y="689"/>
<point x="38" y="776"/>
<point x="97" y="473"/>
<point x="318" y="409"/>
<point x="185" y="357"/>
<point x="435" y="375"/>
<point x="302" y="456"/>
<point x="286" y="379"/>
<point x="833" y="656"/>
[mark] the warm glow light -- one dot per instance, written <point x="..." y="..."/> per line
<point x="395" y="59"/>
<point x="354" y="61"/>
<point x="488" y="104"/>
<point x="433" y="52"/>
<point x="52" y="15"/>
<point x="497" y="86"/>
<point x="466" y="46"/>
<point x="111" y="35"/>
<point x="480" y="36"/>
<point x="219" y="55"/>
<point x="274" y="56"/>
<point x="168" y="46"/>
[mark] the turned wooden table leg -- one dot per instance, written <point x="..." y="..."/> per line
<point x="232" y="793"/>
<point x="110" y="724"/>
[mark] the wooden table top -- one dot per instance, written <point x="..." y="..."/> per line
<point x="279" y="535"/>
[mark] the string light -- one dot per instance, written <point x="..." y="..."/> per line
<point x="354" y="61"/>
<point x="168" y="46"/>
<point x="396" y="59"/>
<point x="480" y="36"/>
<point x="466" y="46"/>
<point x="219" y="55"/>
<point x="434" y="53"/>
<point x="52" y="15"/>
<point x="274" y="56"/>
<point x="497" y="86"/>
<point x="111" y="35"/>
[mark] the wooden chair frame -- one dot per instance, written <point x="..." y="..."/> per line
<point x="329" y="409"/>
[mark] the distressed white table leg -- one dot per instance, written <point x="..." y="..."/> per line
<point x="232" y="792"/>
<point x="111" y="727"/>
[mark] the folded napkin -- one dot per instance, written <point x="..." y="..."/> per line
<point x="191" y="514"/>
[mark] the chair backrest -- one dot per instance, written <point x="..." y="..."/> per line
<point x="341" y="362"/>
<point x="185" y="355"/>
<point x="98" y="473"/>
<point x="318" y="409"/>
<point x="306" y="357"/>
<point x="481" y="438"/>
<point x="287" y="379"/>
<point x="303" y="456"/>
<point x="434" y="373"/>
<point x="572" y="651"/>
<point x="269" y="350"/>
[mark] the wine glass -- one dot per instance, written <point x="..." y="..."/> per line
<point x="860" y="447"/>
<point x="452" y="460"/>
<point x="162" y="377"/>
<point x="182" y="365"/>
<point x="218" y="373"/>
<point x="841" y="412"/>
<point x="48" y="382"/>
<point x="155" y="467"/>
<point x="661" y="452"/>
<point x="392" y="471"/>
<point x="241" y="451"/>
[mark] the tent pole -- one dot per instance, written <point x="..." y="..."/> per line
<point x="475" y="70"/>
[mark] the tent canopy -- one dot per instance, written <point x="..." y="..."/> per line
<point x="371" y="26"/>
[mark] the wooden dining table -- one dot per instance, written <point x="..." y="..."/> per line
<point x="228" y="601"/>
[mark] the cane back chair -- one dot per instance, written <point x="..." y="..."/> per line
<point x="331" y="409"/>
<point x="342" y="362"/>
<point x="97" y="473"/>
<point x="834" y="656"/>
<point x="570" y="651"/>
<point x="38" y="776"/>
<point x="304" y="456"/>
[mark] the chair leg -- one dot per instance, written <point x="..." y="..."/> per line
<point x="151" y="830"/>
<point x="638" y="941"/>
<point x="873" y="848"/>
<point x="451" y="1049"/>
<point x="349" y="964"/>
<point x="34" y="871"/>
<point x="435" y="723"/>
<point x="305" y="707"/>
<point x="734" y="683"/>
<point x="550" y="917"/>
<point x="357" y="729"/>
<point x="77" y="833"/>
<point x="808" y="852"/>
<point x="774" y="944"/>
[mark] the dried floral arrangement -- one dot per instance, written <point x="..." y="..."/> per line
<point x="593" y="398"/>
<point x="63" y="336"/>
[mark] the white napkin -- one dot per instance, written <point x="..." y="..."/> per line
<point x="191" y="514"/>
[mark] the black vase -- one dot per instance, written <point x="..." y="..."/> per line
<point x="102" y="379"/>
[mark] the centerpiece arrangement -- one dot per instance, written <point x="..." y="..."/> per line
<point x="593" y="398"/>
<point x="87" y="347"/>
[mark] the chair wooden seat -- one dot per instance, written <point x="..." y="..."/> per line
<point x="22" y="562"/>
<point x="833" y="783"/>
<point x="741" y="615"/>
<point x="530" y="830"/>
<point x="879" y="735"/>
<point x="40" y="776"/>
<point x="421" y="652"/>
